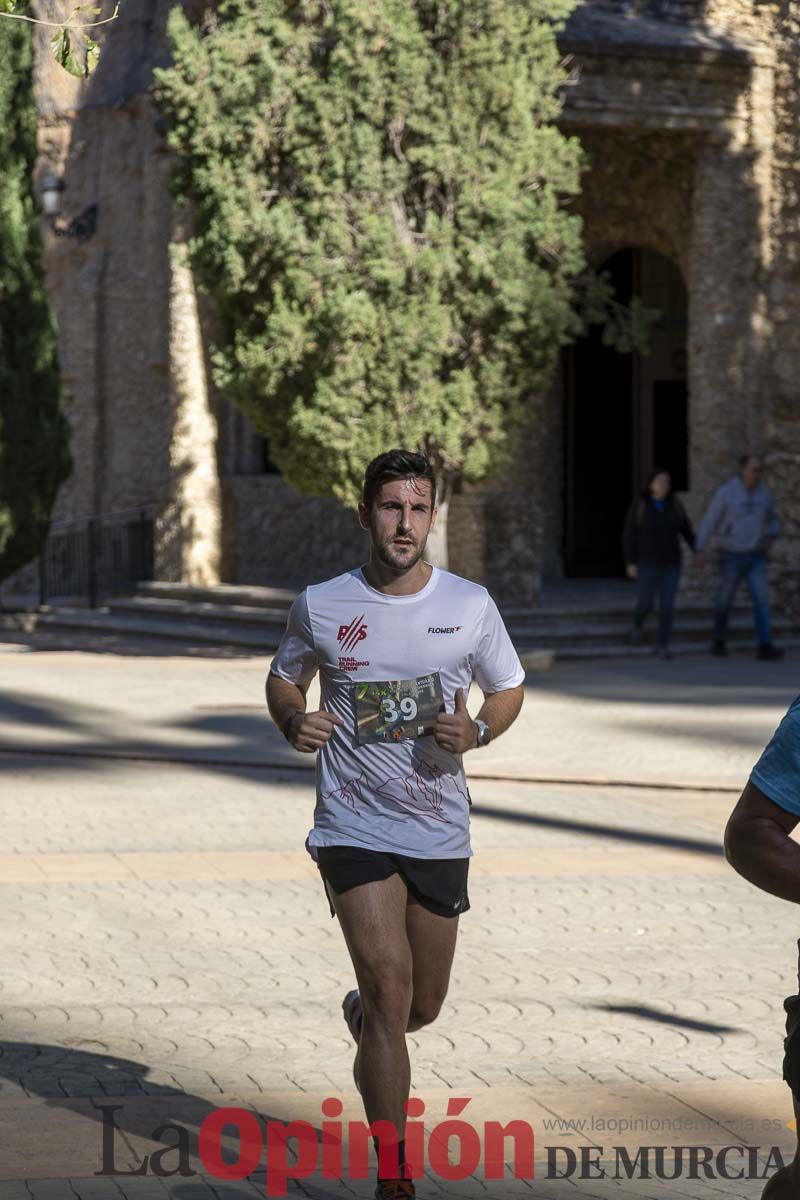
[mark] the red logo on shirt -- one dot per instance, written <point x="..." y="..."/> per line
<point x="350" y="635"/>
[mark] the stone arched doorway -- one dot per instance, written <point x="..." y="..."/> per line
<point x="624" y="414"/>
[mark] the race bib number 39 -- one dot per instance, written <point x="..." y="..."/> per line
<point x="397" y="710"/>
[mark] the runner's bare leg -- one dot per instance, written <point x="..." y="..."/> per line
<point x="373" y="921"/>
<point x="401" y="955"/>
<point x="433" y="943"/>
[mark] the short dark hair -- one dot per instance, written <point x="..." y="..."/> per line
<point x="744" y="459"/>
<point x="396" y="464"/>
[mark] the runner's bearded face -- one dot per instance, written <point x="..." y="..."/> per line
<point x="400" y="520"/>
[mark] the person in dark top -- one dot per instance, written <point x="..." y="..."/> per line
<point x="655" y="523"/>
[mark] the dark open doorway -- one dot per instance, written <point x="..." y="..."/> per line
<point x="625" y="414"/>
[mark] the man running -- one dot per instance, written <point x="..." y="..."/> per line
<point x="397" y="643"/>
<point x="758" y="846"/>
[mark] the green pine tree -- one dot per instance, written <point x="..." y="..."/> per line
<point x="34" y="454"/>
<point x="381" y="202"/>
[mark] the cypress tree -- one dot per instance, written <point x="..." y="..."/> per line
<point x="381" y="196"/>
<point x="34" y="453"/>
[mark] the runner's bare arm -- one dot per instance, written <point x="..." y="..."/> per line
<point x="758" y="846"/>
<point x="286" y="701"/>
<point x="501" y="709"/>
<point x="457" y="732"/>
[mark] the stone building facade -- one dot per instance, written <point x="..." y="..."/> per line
<point x="689" y="111"/>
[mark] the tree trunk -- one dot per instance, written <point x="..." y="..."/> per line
<point x="191" y="525"/>
<point x="436" y="546"/>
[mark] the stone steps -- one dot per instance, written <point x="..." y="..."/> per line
<point x="199" y="616"/>
<point x="237" y="594"/>
<point x="200" y="610"/>
<point x="217" y="632"/>
<point x="689" y="628"/>
<point x="597" y="624"/>
<point x="615" y="606"/>
<point x="736" y="647"/>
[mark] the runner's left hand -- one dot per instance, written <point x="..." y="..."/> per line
<point x="456" y="731"/>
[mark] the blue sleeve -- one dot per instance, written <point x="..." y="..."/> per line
<point x="777" y="772"/>
<point x="711" y="520"/>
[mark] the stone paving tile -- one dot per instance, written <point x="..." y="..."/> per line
<point x="14" y="1189"/>
<point x="430" y="1189"/>
<point x="611" y="962"/>
<point x="144" y="1188"/>
<point x="698" y="718"/>
<point x="283" y="1005"/>
<point x="53" y="1189"/>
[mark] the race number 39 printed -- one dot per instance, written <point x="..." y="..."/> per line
<point x="397" y="710"/>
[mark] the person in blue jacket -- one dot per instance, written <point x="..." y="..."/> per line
<point x="742" y="512"/>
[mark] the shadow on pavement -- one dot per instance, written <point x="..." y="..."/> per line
<point x="248" y="746"/>
<point x="243" y="742"/>
<point x="119" y="1090"/>
<point x="140" y="646"/>
<point x="643" y="836"/>
<point x="737" y="681"/>
<point x="664" y="1018"/>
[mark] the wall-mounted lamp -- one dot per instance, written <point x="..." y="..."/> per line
<point x="50" y="190"/>
<point x="81" y="227"/>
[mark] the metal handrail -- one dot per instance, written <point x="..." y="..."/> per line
<point x="97" y="557"/>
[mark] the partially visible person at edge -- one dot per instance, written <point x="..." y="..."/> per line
<point x="758" y="845"/>
<point x="743" y="512"/>
<point x="655" y="523"/>
<point x="397" y="643"/>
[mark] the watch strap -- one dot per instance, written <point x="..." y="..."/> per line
<point x="484" y="732"/>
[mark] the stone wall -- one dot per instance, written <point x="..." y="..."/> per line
<point x="277" y="537"/>
<point x="111" y="293"/>
<point x="781" y="392"/>
<point x="664" y="10"/>
<point x="679" y="125"/>
<point x="494" y="537"/>
<point x="130" y="343"/>
<point x="693" y="153"/>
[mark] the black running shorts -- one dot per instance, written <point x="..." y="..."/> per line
<point x="791" y="1045"/>
<point x="438" y="884"/>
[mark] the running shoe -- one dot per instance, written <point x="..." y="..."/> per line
<point x="395" y="1189"/>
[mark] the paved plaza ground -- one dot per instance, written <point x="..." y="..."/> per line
<point x="167" y="946"/>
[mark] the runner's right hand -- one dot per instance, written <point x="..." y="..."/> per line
<point x="308" y="732"/>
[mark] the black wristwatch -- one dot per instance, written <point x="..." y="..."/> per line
<point x="484" y="733"/>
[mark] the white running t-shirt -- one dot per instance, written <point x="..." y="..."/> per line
<point x="407" y="797"/>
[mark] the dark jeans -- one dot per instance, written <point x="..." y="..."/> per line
<point x="661" y="582"/>
<point x="735" y="567"/>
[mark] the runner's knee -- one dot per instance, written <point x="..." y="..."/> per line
<point x="386" y="997"/>
<point x="425" y="1008"/>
